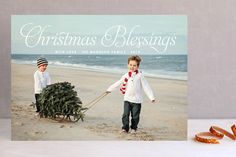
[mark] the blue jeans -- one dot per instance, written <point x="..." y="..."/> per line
<point x="134" y="109"/>
<point x="37" y="102"/>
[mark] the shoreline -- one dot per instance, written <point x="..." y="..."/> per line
<point x="101" y="71"/>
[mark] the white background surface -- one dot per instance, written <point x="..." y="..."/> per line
<point x="211" y="59"/>
<point x="188" y="148"/>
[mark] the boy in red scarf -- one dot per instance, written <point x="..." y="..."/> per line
<point x="132" y="83"/>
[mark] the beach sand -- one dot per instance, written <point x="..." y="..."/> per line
<point x="164" y="120"/>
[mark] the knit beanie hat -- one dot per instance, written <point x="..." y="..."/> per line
<point x="41" y="61"/>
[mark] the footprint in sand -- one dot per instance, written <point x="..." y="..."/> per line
<point x="35" y="133"/>
<point x="139" y="136"/>
<point x="62" y="126"/>
<point x="19" y="124"/>
<point x="101" y="128"/>
<point x="105" y="128"/>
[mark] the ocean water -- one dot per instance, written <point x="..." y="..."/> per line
<point x="161" y="66"/>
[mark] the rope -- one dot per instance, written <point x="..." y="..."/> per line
<point x="94" y="101"/>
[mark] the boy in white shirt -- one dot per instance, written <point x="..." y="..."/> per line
<point x="132" y="84"/>
<point x="41" y="79"/>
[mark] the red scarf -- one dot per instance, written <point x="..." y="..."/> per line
<point x="124" y="84"/>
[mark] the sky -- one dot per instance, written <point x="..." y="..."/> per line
<point x="97" y="26"/>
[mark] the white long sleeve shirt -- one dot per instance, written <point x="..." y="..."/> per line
<point x="41" y="80"/>
<point x="134" y="87"/>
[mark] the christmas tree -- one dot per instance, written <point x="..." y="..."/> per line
<point x="59" y="101"/>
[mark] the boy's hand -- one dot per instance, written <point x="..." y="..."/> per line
<point x="108" y="92"/>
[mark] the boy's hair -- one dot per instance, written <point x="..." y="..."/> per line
<point x="136" y="58"/>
